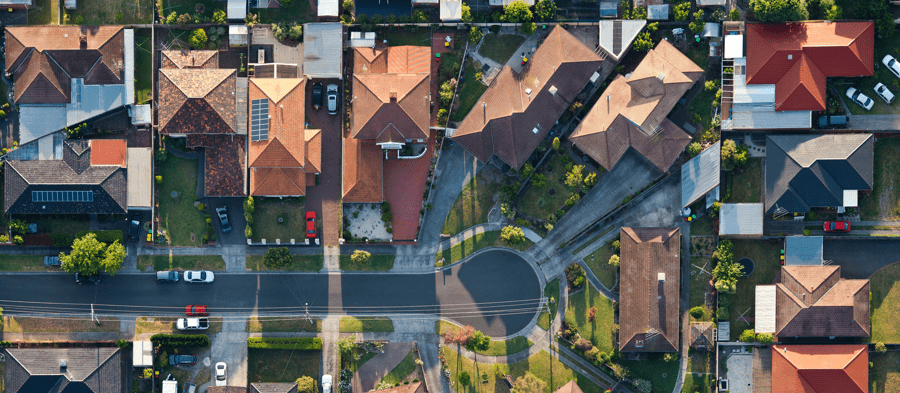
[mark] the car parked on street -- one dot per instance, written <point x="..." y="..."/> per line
<point x="221" y="368"/>
<point x="196" y="311"/>
<point x="167" y="276"/>
<point x="860" y="98"/>
<point x="892" y="65"/>
<point x="200" y="276"/>
<point x="310" y="225"/>
<point x="332" y="96"/>
<point x="176" y="360"/>
<point x="884" y="93"/>
<point x="836" y="226"/>
<point x="92" y="279"/>
<point x="222" y="212"/>
<point x="192" y="323"/>
<point x="317" y="95"/>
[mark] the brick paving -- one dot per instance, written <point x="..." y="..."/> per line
<point x="325" y="198"/>
<point x="404" y="184"/>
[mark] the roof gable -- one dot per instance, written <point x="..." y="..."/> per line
<point x="813" y="301"/>
<point x="819" y="368"/>
<point x="195" y="101"/>
<point x="384" y="99"/>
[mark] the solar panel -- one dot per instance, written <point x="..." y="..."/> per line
<point x="62" y="196"/>
<point x="259" y="120"/>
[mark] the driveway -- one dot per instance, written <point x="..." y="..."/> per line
<point x="230" y="346"/>
<point x="861" y="257"/>
<point x="374" y="370"/>
<point x="456" y="168"/>
<point x="235" y="208"/>
<point x="325" y="198"/>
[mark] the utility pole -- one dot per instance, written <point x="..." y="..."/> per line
<point x="94" y="316"/>
<point x="307" y="314"/>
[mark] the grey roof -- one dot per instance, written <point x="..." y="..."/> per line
<point x="700" y="174"/>
<point x="658" y="12"/>
<point x="707" y="3"/>
<point x="616" y="35"/>
<point x="805" y="171"/>
<point x="88" y="370"/>
<point x="322" y="49"/>
<point x="741" y="219"/>
<point x="281" y="387"/>
<point x="803" y="250"/>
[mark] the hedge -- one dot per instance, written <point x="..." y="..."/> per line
<point x="304" y="343"/>
<point x="107" y="237"/>
<point x="61" y="239"/>
<point x="180" y="340"/>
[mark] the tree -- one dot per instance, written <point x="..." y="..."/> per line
<point x="249" y="207"/>
<point x="574" y="178"/>
<point x="831" y="11"/>
<point x="219" y="17"/>
<point x="614" y="260"/>
<point x="747" y="336"/>
<point x="459" y="336"/>
<point x="694" y="148"/>
<point x="733" y="156"/>
<point x="696" y="25"/>
<point x="880" y="348"/>
<point x="446" y="92"/>
<point x="711" y="85"/>
<point x="529" y="383"/>
<point x="348" y="6"/>
<point x="528" y="28"/>
<point x="198" y="39"/>
<point x="618" y="371"/>
<point x="545" y="10"/>
<point x="779" y="10"/>
<point x="115" y="256"/>
<point x="517" y="12"/>
<point x="682" y="11"/>
<point x="698" y="312"/>
<point x="346" y="345"/>
<point x="464" y="378"/>
<point x="556" y="144"/>
<point x="479" y="342"/>
<point x="475" y="35"/>
<point x="306" y="384"/>
<point x="765" y="338"/>
<point x="90" y="255"/>
<point x="507" y="211"/>
<point x="643" y="42"/>
<point x="734" y="15"/>
<point x="590" y="180"/>
<point x="727" y="271"/>
<point x="539" y="180"/>
<point x="526" y="170"/>
<point x="512" y="234"/>
<point x="360" y="256"/>
<point x="278" y="257"/>
<point x="466" y="13"/>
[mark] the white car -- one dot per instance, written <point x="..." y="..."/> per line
<point x="220" y="373"/>
<point x="884" y="93"/>
<point x="326" y="383"/>
<point x="202" y="276"/>
<point x="860" y="98"/>
<point x="892" y="65"/>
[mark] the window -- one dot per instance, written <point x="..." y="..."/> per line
<point x="62" y="196"/>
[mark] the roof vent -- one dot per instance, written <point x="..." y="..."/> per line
<point x="660" y="76"/>
<point x="661" y="276"/>
<point x="553" y="90"/>
<point x="83" y="41"/>
<point x="535" y="130"/>
<point x="528" y="91"/>
<point x="393" y="95"/>
<point x="62" y="364"/>
<point x="790" y="57"/>
<point x="639" y="344"/>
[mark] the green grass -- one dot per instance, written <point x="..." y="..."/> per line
<point x="500" y="47"/>
<point x="867" y="84"/>
<point x="550" y="290"/>
<point x="702" y="226"/>
<point x="469" y="92"/>
<point x="653" y="370"/>
<point x="598" y="261"/>
<point x="58" y="325"/>
<point x="699" y="363"/>
<point x="884" y="375"/>
<point x="113" y="12"/>
<point x="766" y="255"/>
<point x="24" y="263"/>
<point x="593" y="239"/>
<point x="477" y="242"/>
<point x="282" y="365"/>
<point x="399" y="37"/>
<point x="69" y="224"/>
<point x="497" y="348"/>
<point x="45" y="12"/>
<point x="353" y="363"/>
<point x="181" y="262"/>
<point x="377" y="263"/>
<point x="702" y="105"/>
<point x="167" y="325"/>
<point x="700" y="56"/>
<point x="265" y="220"/>
<point x="402" y="370"/>
<point x="883" y="202"/>
<point x="472" y="205"/>
<point x="297" y="10"/>
<point x="598" y="331"/>
<point x="366" y="324"/>
<point x="884" y="305"/>
<point x="143" y="66"/>
<point x="178" y="216"/>
<point x="3" y="100"/>
<point x="282" y="324"/>
<point x="537" y="202"/>
<point x="746" y="187"/>
<point x="302" y="263"/>
<point x="699" y="281"/>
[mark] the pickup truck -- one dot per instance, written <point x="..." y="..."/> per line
<point x="192" y="323"/>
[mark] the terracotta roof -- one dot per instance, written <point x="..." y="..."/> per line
<point x="391" y="101"/>
<point x="313" y="151"/>
<point x="650" y="281"/>
<point x="635" y="109"/>
<point x="190" y="59"/>
<point x="510" y="123"/>
<point x="196" y="101"/>
<point x="702" y="334"/>
<point x="813" y="301"/>
<point x="405" y="59"/>
<point x="797" y="57"/>
<point x="109" y="152"/>
<point x="273" y="387"/>
<point x="569" y="387"/>
<point x="227" y="389"/>
<point x="88" y="370"/>
<point x="820" y="368"/>
<point x="225" y="162"/>
<point x="43" y="59"/>
<point x="362" y="171"/>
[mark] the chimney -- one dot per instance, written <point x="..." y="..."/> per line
<point x="661" y="277"/>
<point x="83" y="41"/>
<point x="393" y="96"/>
<point x="553" y="90"/>
<point x="62" y="365"/>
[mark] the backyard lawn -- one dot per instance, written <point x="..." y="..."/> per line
<point x="474" y="243"/>
<point x="469" y="92"/>
<point x="143" y="66"/>
<point x="883" y="203"/>
<point x="402" y="369"/>
<point x="660" y="373"/>
<point x="598" y="331"/>
<point x="551" y="291"/>
<point x="400" y="37"/>
<point x="282" y="365"/>
<point x="498" y="347"/>
<point x="296" y="11"/>
<point x="366" y="324"/>
<point x="746" y="186"/>
<point x="702" y="105"/>
<point x="698" y="383"/>
<point x="45" y="12"/>
<point x="884" y="303"/>
<point x="884" y="375"/>
<point x="702" y="226"/>
<point x="598" y="261"/>
<point x="766" y="255"/>
<point x="472" y="206"/>
<point x="302" y="263"/>
<point x="181" y="262"/>
<point x="283" y="324"/>
<point x="265" y="220"/>
<point x="183" y="224"/>
<point x="113" y="12"/>
<point x="500" y="47"/>
<point x="191" y="6"/>
<point x="377" y="263"/>
<point x="58" y="325"/>
<point x="699" y="280"/>
<point x="541" y="202"/>
<point x="24" y="263"/>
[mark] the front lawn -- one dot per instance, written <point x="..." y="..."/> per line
<point x="366" y="324"/>
<point x="181" y="262"/>
<point x="113" y="12"/>
<point x="69" y="224"/>
<point x="598" y="261"/>
<point x="376" y="263"/>
<point x="183" y="224"/>
<point x="472" y="205"/>
<point x="497" y="348"/>
<point x="540" y="202"/>
<point x="884" y="375"/>
<point x="474" y="243"/>
<point x="301" y="263"/>
<point x="884" y="305"/>
<point x="400" y="37"/>
<point x="167" y="325"/>
<point x="598" y="331"/>
<point x="500" y="47"/>
<point x="469" y="92"/>
<point x="58" y="325"/>
<point x="266" y="213"/>
<point x="402" y="370"/>
<point x="282" y="365"/>
<point x="551" y="291"/>
<point x="282" y="324"/>
<point x="699" y="374"/>
<point x="24" y="263"/>
<point x="660" y="373"/>
<point x="143" y="66"/>
<point x="766" y="254"/>
<point x="746" y="186"/>
<point x="883" y="203"/>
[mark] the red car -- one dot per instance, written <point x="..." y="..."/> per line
<point x="311" y="224"/>
<point x="196" y="311"/>
<point x="836" y="226"/>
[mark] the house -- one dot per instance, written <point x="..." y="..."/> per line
<point x="64" y="75"/>
<point x="809" y="171"/>
<point x="416" y="387"/>
<point x="741" y="219"/>
<point x="273" y="387"/>
<point x="703" y="335"/>
<point x="819" y="368"/>
<point x="51" y="370"/>
<point x="322" y="50"/>
<point x="236" y="9"/>
<point x="17" y="4"/>
<point x="813" y="301"/>
<point x="207" y="106"/>
<point x="283" y="156"/>
<point x="700" y="177"/>
<point x="649" y="291"/>
<point x="519" y="108"/>
<point x="634" y="114"/>
<point x="569" y="387"/>
<point x="782" y="78"/>
<point x="617" y="35"/>
<point x="227" y="389"/>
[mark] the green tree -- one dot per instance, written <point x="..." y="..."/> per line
<point x="643" y="42"/>
<point x="682" y="11"/>
<point x="18" y="227"/>
<point x="614" y="260"/>
<point x="575" y="178"/>
<point x="765" y="338"/>
<point x="479" y="342"/>
<point x="517" y="12"/>
<point x="446" y="92"/>
<point x="278" y="257"/>
<point x="733" y="156"/>
<point x="734" y="15"/>
<point x="475" y="35"/>
<point x="507" y="210"/>
<point x="464" y="378"/>
<point x="880" y="348"/>
<point x="545" y="10"/>
<point x="113" y="259"/>
<point x="360" y="256"/>
<point x="539" y="180"/>
<point x="526" y="170"/>
<point x="694" y="148"/>
<point x="346" y="345"/>
<point x="90" y="255"/>
<point x="249" y="207"/>
<point x="696" y="25"/>
<point x="184" y="19"/>
<point x="198" y="39"/>
<point x="306" y="384"/>
<point x="170" y="20"/>
<point x="466" y="13"/>
<point x="831" y="11"/>
<point x="348" y="6"/>
<point x="219" y="17"/>
<point x="556" y="144"/>
<point x="747" y="336"/>
<point x="697" y="312"/>
<point x="727" y="271"/>
<point x="779" y="10"/>
<point x="590" y="180"/>
<point x="528" y="28"/>
<point x="529" y="383"/>
<point x="512" y="234"/>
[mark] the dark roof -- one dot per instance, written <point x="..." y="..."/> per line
<point x="510" y="123"/>
<point x="225" y="162"/>
<point x="813" y="301"/>
<point x="386" y="103"/>
<point x="226" y="389"/>
<point x="74" y="172"/>
<point x="197" y="101"/>
<point x="702" y="334"/>
<point x="281" y="387"/>
<point x="806" y="171"/>
<point x="88" y="370"/>
<point x="650" y="282"/>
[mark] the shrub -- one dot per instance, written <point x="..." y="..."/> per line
<point x="747" y="336"/>
<point x="306" y="384"/>
<point x="4" y="239"/>
<point x="18" y="227"/>
<point x="807" y="232"/>
<point x="59" y="239"/>
<point x="184" y="19"/>
<point x="219" y="17"/>
<point x="360" y="256"/>
<point x="880" y="348"/>
<point x="464" y="378"/>
<point x="573" y="199"/>
<point x="698" y="312"/>
<point x="158" y="179"/>
<point x="300" y="343"/>
<point x="512" y="234"/>
<point x="385" y="206"/>
<point x="348" y="6"/>
<point x="122" y="344"/>
<point x="616" y="244"/>
<point x="575" y="275"/>
<point x="108" y="237"/>
<point x="278" y="257"/>
<point x="475" y="35"/>
<point x="248" y="232"/>
<point x="614" y="260"/>
<point x="765" y="338"/>
<point x="174" y="341"/>
<point x="734" y="15"/>
<point x="249" y="207"/>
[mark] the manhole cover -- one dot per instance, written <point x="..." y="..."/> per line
<point x="174" y="194"/>
<point x="485" y="68"/>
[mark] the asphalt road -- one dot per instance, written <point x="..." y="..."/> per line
<point x="496" y="292"/>
<point x="860" y="258"/>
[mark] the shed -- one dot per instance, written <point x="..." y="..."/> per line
<point x="71" y="4"/>
<point x="451" y="10"/>
<point x="237" y="9"/>
<point x="765" y="309"/>
<point x="803" y="250"/>
<point x="658" y="12"/>
<point x="734" y="46"/>
<point x="322" y="50"/>
<point x="740" y="219"/>
<point x="609" y="9"/>
<point x="141" y="115"/>
<point x="700" y="175"/>
<point x="329" y="9"/>
<point x="238" y="35"/>
<point x="142" y="354"/>
<point x="723" y="331"/>
<point x="140" y="175"/>
<point x="711" y="30"/>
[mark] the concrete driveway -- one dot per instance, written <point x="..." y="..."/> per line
<point x="230" y="346"/>
<point x="235" y="208"/>
<point x="861" y="257"/>
<point x="456" y="168"/>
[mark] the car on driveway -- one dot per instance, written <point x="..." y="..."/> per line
<point x="884" y="93"/>
<point x="92" y="279"/>
<point x="167" y="276"/>
<point x="311" y="225"/>
<point x="836" y="226"/>
<point x="192" y="323"/>
<point x="196" y="311"/>
<point x="222" y="212"/>
<point x="317" y="95"/>
<point x="326" y="383"/>
<point x="201" y="276"/>
<point x="332" y="96"/>
<point x="892" y="65"/>
<point x="860" y="98"/>
<point x="176" y="360"/>
<point x="134" y="227"/>
<point x="221" y="368"/>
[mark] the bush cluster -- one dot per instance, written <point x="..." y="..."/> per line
<point x="108" y="237"/>
<point x="301" y="343"/>
<point x="180" y="340"/>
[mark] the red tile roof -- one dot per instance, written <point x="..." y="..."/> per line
<point x="226" y="164"/>
<point x="797" y="57"/>
<point x="109" y="152"/>
<point x="392" y="60"/>
<point x="398" y="102"/>
<point x="190" y="59"/>
<point x="362" y="171"/>
<point x="820" y="368"/>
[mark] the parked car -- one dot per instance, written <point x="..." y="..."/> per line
<point x="317" y="95"/>
<point x="836" y="226"/>
<point x="167" y="276"/>
<point x="52" y="261"/>
<point x="884" y="93"/>
<point x="134" y="227"/>
<point x="892" y="65"/>
<point x="832" y="121"/>
<point x="326" y="383"/>
<point x="196" y="311"/>
<point x="201" y="276"/>
<point x="222" y="212"/>
<point x="311" y="225"/>
<point x="220" y="373"/>
<point x="860" y="98"/>
<point x="176" y="360"/>
<point x="192" y="323"/>
<point x="189" y="388"/>
<point x="332" y="93"/>
<point x="92" y="279"/>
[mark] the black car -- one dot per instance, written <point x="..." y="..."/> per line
<point x="176" y="360"/>
<point x="317" y="95"/>
<point x="134" y="227"/>
<point x="222" y="212"/>
<point x="82" y="279"/>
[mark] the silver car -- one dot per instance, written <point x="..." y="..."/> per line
<point x="331" y="92"/>
<point x="220" y="373"/>
<point x="201" y="276"/>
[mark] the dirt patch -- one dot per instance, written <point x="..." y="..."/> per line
<point x="703" y="245"/>
<point x="885" y="203"/>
